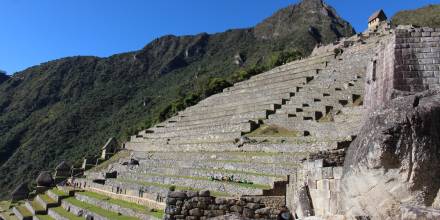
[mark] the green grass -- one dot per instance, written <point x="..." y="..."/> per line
<point x="37" y="206"/>
<point x="4" y="206"/>
<point x="47" y="199"/>
<point x="44" y="217"/>
<point x="253" y="186"/>
<point x="125" y="204"/>
<point x="272" y="131"/>
<point x="24" y="211"/>
<point x="98" y="210"/>
<point x="66" y="214"/>
<point x="59" y="192"/>
<point x="9" y="215"/>
<point x="167" y="186"/>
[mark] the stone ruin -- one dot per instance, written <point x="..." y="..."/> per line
<point x="201" y="205"/>
<point x="258" y="132"/>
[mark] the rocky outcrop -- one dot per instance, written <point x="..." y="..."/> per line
<point x="395" y="160"/>
<point x="20" y="193"/>
<point x="45" y="179"/>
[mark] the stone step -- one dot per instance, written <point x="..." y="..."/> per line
<point x="198" y="182"/>
<point x="22" y="213"/>
<point x="260" y="178"/>
<point x="226" y="119"/>
<point x="118" y="206"/>
<point x="60" y="213"/>
<point x="249" y="101"/>
<point x="251" y="156"/>
<point x="295" y="64"/>
<point x="263" y="144"/>
<point x="270" y="104"/>
<point x="271" y="168"/>
<point x="288" y="75"/>
<point x="261" y="86"/>
<point x="258" y="89"/>
<point x="80" y="208"/>
<point x="42" y="217"/>
<point x="57" y="195"/>
<point x="321" y="130"/>
<point x="200" y="130"/>
<point x="212" y="137"/>
<point x="153" y="191"/>
<point x="248" y="95"/>
<point x="233" y="101"/>
<point x="244" y="109"/>
<point x="45" y="201"/>
<point x="214" y="146"/>
<point x="285" y="87"/>
<point x="243" y="124"/>
<point x="35" y="208"/>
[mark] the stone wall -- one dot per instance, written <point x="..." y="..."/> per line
<point x="408" y="61"/>
<point x="129" y="196"/>
<point x="380" y="74"/>
<point x="314" y="190"/>
<point x="201" y="205"/>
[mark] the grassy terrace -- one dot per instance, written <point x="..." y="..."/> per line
<point x="124" y="204"/>
<point x="98" y="210"/>
<point x="272" y="131"/>
<point x="59" y="192"/>
<point x="253" y="186"/>
<point x="115" y="158"/>
<point x="23" y="210"/>
<point x="167" y="186"/>
<point x="62" y="212"/>
<point x="47" y="199"/>
<point x="37" y="206"/>
<point x="44" y="217"/>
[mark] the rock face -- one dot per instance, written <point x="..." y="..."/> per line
<point x="45" y="179"/>
<point x="395" y="159"/>
<point x="20" y="193"/>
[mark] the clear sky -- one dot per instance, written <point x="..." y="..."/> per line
<point x="35" y="31"/>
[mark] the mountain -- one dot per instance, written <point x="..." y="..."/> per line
<point x="66" y="109"/>
<point x="428" y="16"/>
<point x="3" y="76"/>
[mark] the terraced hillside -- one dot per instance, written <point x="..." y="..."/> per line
<point x="64" y="203"/>
<point x="65" y="109"/>
<point x="248" y="139"/>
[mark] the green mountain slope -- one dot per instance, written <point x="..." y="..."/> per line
<point x="67" y="108"/>
<point x="428" y="16"/>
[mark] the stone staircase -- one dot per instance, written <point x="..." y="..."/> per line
<point x="247" y="140"/>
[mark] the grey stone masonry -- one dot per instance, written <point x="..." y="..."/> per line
<point x="409" y="61"/>
<point x="201" y="205"/>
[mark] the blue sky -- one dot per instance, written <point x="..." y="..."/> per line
<point x="35" y="31"/>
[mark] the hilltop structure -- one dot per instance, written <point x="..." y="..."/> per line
<point x="286" y="140"/>
<point x="376" y="19"/>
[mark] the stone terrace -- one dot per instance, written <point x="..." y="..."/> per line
<point x="255" y="133"/>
